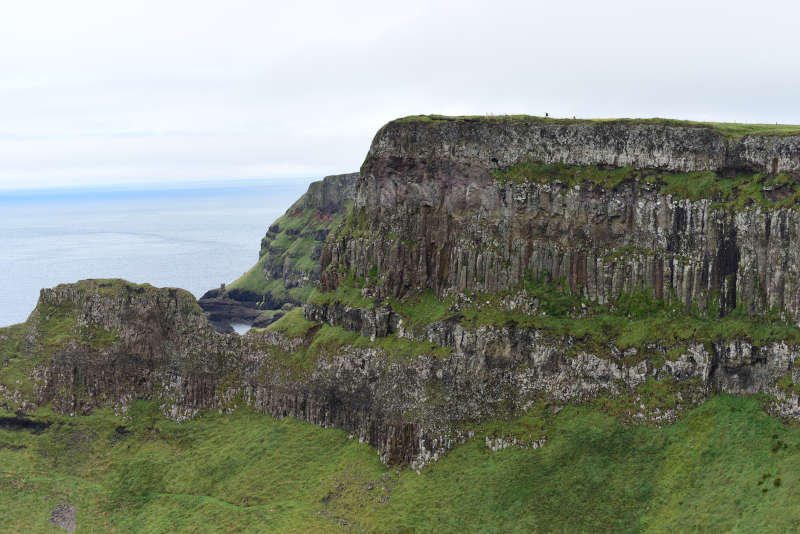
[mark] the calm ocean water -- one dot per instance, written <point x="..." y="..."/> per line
<point x="194" y="237"/>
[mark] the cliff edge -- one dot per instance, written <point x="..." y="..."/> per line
<point x="679" y="146"/>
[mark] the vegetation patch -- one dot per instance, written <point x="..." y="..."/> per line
<point x="14" y="365"/>
<point x="738" y="192"/>
<point x="293" y="324"/>
<point x="651" y="401"/>
<point x="49" y="329"/>
<point x="634" y="321"/>
<point x="405" y="349"/>
<point x="787" y="385"/>
<point x="323" y="338"/>
<point x="290" y="243"/>
<point x="422" y="309"/>
<point x="256" y="281"/>
<point x="348" y="292"/>
<point x="529" y="426"/>
<point x="329" y="339"/>
<point x="11" y="341"/>
<point x="250" y="472"/>
<point x="55" y="325"/>
<point x="637" y="320"/>
<point x="355" y="224"/>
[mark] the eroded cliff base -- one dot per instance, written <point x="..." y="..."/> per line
<point x="412" y="378"/>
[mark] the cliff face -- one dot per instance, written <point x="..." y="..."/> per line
<point x="119" y="342"/>
<point x="288" y="263"/>
<point x="291" y="248"/>
<point x="329" y="196"/>
<point x="484" y="266"/>
<point x="431" y="213"/>
<point x="502" y="142"/>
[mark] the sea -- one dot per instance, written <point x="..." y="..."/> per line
<point x="194" y="236"/>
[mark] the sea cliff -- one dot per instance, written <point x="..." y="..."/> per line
<point x="482" y="266"/>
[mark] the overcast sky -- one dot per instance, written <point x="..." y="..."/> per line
<point x="159" y="91"/>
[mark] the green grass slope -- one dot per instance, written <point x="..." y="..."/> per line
<point x="725" y="467"/>
<point x="289" y="247"/>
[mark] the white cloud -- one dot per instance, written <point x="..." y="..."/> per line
<point x="99" y="91"/>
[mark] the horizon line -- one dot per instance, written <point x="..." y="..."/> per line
<point x="169" y="185"/>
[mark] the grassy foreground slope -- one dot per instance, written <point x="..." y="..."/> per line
<point x="726" y="466"/>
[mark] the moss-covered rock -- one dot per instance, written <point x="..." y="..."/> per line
<point x="289" y="258"/>
<point x="288" y="263"/>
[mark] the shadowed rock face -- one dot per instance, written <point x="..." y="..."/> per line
<point x="224" y="308"/>
<point x="433" y="216"/>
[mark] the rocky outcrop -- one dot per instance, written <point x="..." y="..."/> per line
<point x="310" y="218"/>
<point x="225" y="308"/>
<point x="329" y="195"/>
<point x="430" y="214"/>
<point x="412" y="411"/>
<point x="735" y="366"/>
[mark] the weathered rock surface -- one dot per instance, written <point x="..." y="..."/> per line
<point x="64" y="515"/>
<point x="500" y="143"/>
<point x="411" y="411"/>
<point x="430" y="214"/>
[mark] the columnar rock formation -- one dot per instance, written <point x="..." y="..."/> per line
<point x="430" y="214"/>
